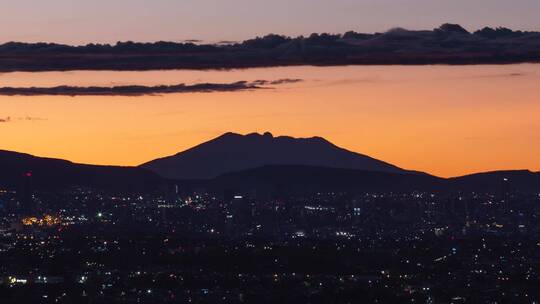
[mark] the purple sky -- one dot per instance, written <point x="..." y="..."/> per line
<point x="82" y="21"/>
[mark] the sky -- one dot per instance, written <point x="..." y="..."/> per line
<point x="445" y="120"/>
<point x="83" y="21"/>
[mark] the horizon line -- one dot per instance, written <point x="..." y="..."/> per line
<point x="226" y="42"/>
<point x="266" y="133"/>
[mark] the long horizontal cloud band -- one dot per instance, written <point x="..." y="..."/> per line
<point x="139" y="90"/>
<point x="448" y="44"/>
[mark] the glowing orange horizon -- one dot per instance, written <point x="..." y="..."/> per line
<point x="444" y="120"/>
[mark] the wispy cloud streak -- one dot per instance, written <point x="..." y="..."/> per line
<point x="140" y="90"/>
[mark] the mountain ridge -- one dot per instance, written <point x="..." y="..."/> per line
<point x="232" y="152"/>
<point x="55" y="173"/>
<point x="315" y="179"/>
<point x="51" y="174"/>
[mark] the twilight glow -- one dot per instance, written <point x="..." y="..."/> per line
<point x="445" y="120"/>
<point x="81" y="22"/>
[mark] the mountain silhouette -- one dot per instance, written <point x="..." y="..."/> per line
<point x="233" y="152"/>
<point x="17" y="169"/>
<point x="308" y="180"/>
<point x="294" y="179"/>
<point x="498" y="181"/>
<point x="49" y="173"/>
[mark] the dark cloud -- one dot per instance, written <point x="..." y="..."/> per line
<point x="448" y="44"/>
<point x="6" y="119"/>
<point x="193" y="41"/>
<point x="277" y="82"/>
<point x="139" y="90"/>
<point x="285" y="81"/>
<point x="227" y="42"/>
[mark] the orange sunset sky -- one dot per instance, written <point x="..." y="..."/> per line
<point x="445" y="120"/>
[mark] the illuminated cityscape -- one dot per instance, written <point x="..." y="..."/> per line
<point x="208" y="247"/>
